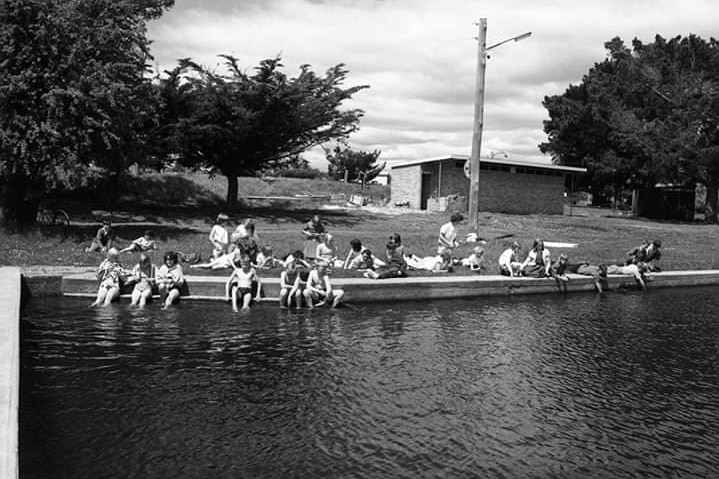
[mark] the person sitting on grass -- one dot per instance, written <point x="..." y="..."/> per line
<point x="325" y="252"/>
<point x="290" y="289"/>
<point x="647" y="253"/>
<point x="170" y="279"/>
<point x="366" y="261"/>
<point x="145" y="242"/>
<point x="243" y="284"/>
<point x="143" y="274"/>
<point x="447" y="240"/>
<point x="396" y="266"/>
<point x="266" y="258"/>
<point x="247" y="244"/>
<point x="538" y="261"/>
<point x="103" y="239"/>
<point x="508" y="264"/>
<point x="474" y="260"/>
<point x="111" y="275"/>
<point x="219" y="237"/>
<point x="319" y="288"/>
<point x="355" y="252"/>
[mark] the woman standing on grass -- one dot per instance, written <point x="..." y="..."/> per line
<point x="312" y="233"/>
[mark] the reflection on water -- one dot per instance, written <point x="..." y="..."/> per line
<point x="619" y="385"/>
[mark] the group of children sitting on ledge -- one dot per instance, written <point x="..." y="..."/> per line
<point x="305" y="275"/>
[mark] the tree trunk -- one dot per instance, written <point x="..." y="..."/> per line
<point x="232" y="189"/>
<point x="20" y="201"/>
<point x="710" y="204"/>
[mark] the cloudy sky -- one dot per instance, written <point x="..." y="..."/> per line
<point x="419" y="57"/>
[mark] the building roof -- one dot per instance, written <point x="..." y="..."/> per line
<point x="494" y="161"/>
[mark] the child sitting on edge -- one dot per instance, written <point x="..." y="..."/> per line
<point x="474" y="260"/>
<point x="111" y="274"/>
<point x="145" y="242"/>
<point x="170" y="279"/>
<point x="243" y="283"/>
<point x="319" y="288"/>
<point x="143" y="274"/>
<point x="290" y="286"/>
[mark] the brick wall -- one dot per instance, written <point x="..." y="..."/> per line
<point x="406" y="185"/>
<point x="520" y="193"/>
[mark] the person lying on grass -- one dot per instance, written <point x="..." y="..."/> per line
<point x="441" y="263"/>
<point x="366" y="261"/>
<point x="146" y="242"/>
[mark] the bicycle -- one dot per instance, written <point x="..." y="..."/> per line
<point x="52" y="217"/>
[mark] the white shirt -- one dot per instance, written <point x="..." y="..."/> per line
<point x="447" y="235"/>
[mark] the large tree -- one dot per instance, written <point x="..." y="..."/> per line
<point x="242" y="124"/>
<point x="350" y="165"/>
<point x="643" y="115"/>
<point x="73" y="94"/>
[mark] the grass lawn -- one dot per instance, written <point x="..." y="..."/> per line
<point x="184" y="226"/>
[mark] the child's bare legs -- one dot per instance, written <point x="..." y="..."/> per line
<point x="309" y="298"/>
<point x="139" y="298"/>
<point x="284" y="298"/>
<point x="233" y="295"/>
<point x="172" y="295"/>
<point x="246" y="299"/>
<point x="100" y="299"/>
<point x="337" y="294"/>
<point x="298" y="299"/>
<point x="135" y="297"/>
<point x="162" y="287"/>
<point x="111" y="295"/>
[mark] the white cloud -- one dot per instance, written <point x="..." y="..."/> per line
<point x="419" y="57"/>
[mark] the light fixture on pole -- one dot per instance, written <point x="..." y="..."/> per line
<point x="479" y="118"/>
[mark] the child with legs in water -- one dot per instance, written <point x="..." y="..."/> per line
<point x="111" y="274"/>
<point x="290" y="286"/>
<point x="319" y="288"/>
<point x="243" y="284"/>
<point x="170" y="279"/>
<point x="143" y="275"/>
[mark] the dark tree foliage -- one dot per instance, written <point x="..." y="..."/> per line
<point x="73" y="93"/>
<point x="344" y="163"/>
<point x="240" y="124"/>
<point x="644" y="115"/>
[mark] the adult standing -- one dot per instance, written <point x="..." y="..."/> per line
<point x="312" y="232"/>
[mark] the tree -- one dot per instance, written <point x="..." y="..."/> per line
<point x="73" y="94"/>
<point x="643" y="115"/>
<point x="244" y="124"/>
<point x="344" y="163"/>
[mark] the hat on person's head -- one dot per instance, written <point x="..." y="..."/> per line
<point x="222" y="217"/>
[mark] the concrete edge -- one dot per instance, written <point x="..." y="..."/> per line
<point x="10" y="297"/>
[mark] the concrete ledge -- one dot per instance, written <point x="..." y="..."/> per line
<point x="425" y="287"/>
<point x="10" y="290"/>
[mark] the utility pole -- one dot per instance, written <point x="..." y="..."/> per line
<point x="478" y="124"/>
<point x="482" y="50"/>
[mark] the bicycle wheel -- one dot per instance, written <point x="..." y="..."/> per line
<point x="44" y="217"/>
<point x="60" y="217"/>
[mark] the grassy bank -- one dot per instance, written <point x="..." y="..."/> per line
<point x="184" y="226"/>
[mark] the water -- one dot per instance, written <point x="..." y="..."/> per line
<point x="619" y="385"/>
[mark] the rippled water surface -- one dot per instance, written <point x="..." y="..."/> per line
<point x="619" y="385"/>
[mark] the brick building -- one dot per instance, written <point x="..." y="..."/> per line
<point x="505" y="185"/>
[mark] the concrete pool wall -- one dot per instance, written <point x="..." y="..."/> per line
<point x="9" y="369"/>
<point x="361" y="289"/>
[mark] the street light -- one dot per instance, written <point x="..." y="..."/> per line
<point x="479" y="118"/>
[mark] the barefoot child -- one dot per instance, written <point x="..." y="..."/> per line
<point x="144" y="276"/>
<point x="170" y="279"/>
<point x="241" y="283"/>
<point x="110" y="273"/>
<point x="474" y="260"/>
<point x="290" y="286"/>
<point x="219" y="237"/>
<point x="145" y="242"/>
<point x="319" y="288"/>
